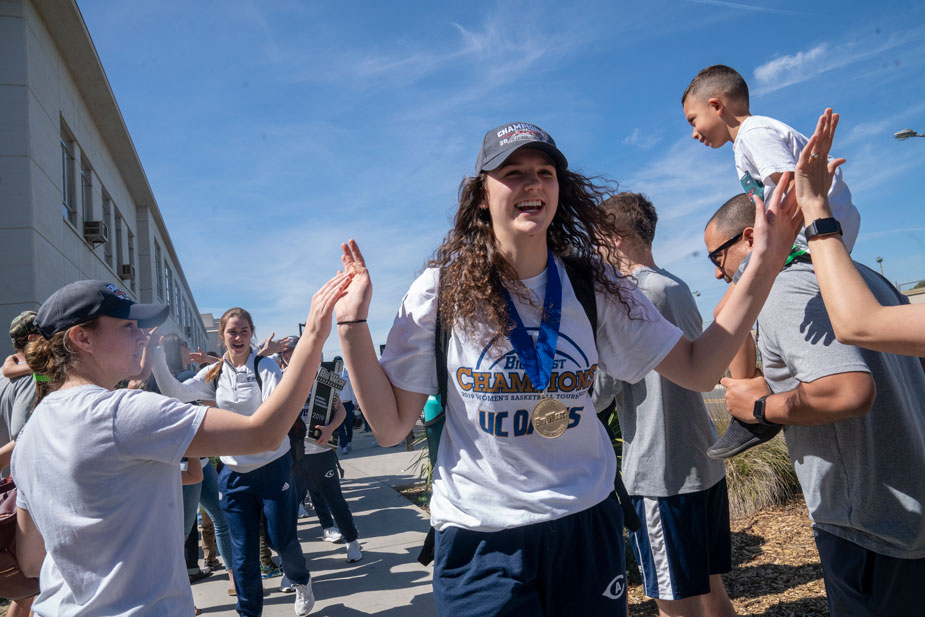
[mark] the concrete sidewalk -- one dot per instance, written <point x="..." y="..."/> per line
<point x="388" y="581"/>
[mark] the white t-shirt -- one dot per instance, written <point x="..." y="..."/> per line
<point x="236" y="391"/>
<point x="493" y="472"/>
<point x="97" y="471"/>
<point x="765" y="146"/>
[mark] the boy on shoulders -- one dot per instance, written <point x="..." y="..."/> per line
<point x="716" y="104"/>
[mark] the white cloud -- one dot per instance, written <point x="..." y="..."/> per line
<point x="744" y="7"/>
<point x="646" y="142"/>
<point x="794" y="68"/>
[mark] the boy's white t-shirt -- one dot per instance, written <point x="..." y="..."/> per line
<point x="765" y="146"/>
<point x="97" y="471"/>
<point x="236" y="391"/>
<point x="493" y="472"/>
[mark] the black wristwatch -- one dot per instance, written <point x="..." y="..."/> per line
<point x="758" y="412"/>
<point x="823" y="227"/>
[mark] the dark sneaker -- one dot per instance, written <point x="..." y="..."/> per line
<point x="739" y="437"/>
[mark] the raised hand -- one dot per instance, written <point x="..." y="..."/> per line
<point x="270" y="347"/>
<point x="777" y="225"/>
<point x="318" y="322"/>
<point x="355" y="303"/>
<point x="814" y="170"/>
<point x="201" y="358"/>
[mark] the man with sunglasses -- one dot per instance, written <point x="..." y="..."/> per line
<point x="853" y="421"/>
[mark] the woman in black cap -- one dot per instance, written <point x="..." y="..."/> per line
<point x="96" y="468"/>
<point x="523" y="506"/>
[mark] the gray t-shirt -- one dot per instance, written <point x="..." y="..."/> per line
<point x="863" y="478"/>
<point x="666" y="429"/>
<point x="17" y="397"/>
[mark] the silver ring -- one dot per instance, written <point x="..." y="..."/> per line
<point x="814" y="155"/>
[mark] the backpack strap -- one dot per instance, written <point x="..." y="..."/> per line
<point x="583" y="286"/>
<point x="257" y="360"/>
<point x="433" y="424"/>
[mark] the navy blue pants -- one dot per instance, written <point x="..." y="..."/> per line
<point x="345" y="430"/>
<point x="570" y="566"/>
<point x="859" y="581"/>
<point x="270" y="489"/>
<point x="317" y="474"/>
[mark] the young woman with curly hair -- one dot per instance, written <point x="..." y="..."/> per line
<point x="523" y="506"/>
<point x="99" y="516"/>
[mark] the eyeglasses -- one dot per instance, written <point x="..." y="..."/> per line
<point x="713" y="255"/>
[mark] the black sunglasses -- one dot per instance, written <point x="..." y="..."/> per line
<point x="713" y="255"/>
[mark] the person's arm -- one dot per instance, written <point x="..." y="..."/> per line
<point x="328" y="429"/>
<point x="856" y="315"/>
<point x="193" y="389"/>
<point x="13" y="367"/>
<point x="226" y="432"/>
<point x="827" y="399"/>
<point x="30" y="546"/>
<point x="6" y="453"/>
<point x="201" y="358"/>
<point x="699" y="364"/>
<point x="744" y="363"/>
<point x="193" y="472"/>
<point x="390" y="411"/>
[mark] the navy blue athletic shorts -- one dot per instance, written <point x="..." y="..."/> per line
<point x="859" y="581"/>
<point x="684" y="540"/>
<point x="570" y="566"/>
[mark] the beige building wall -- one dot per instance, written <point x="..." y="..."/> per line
<point x="66" y="159"/>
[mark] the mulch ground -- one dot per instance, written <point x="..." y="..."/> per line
<point x="776" y="569"/>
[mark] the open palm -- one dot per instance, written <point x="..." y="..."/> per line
<point x="355" y="303"/>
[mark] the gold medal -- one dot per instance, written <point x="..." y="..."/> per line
<point x="550" y="418"/>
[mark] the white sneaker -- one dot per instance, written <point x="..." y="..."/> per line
<point x="331" y="534"/>
<point x="304" y="598"/>
<point x="353" y="552"/>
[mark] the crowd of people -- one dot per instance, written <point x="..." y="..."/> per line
<point x="552" y="308"/>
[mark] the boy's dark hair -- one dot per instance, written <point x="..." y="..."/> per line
<point x="734" y="215"/>
<point x="717" y="80"/>
<point x="635" y="213"/>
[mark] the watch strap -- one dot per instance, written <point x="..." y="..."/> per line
<point x="823" y="227"/>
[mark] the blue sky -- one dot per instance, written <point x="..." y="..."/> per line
<point x="272" y="131"/>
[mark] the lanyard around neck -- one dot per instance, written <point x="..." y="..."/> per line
<point x="537" y="359"/>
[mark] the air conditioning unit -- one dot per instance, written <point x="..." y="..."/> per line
<point x="95" y="232"/>
<point x="127" y="272"/>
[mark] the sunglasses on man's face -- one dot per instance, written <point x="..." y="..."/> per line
<point x="713" y="255"/>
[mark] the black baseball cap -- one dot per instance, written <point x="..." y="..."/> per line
<point x="82" y="301"/>
<point x="501" y="142"/>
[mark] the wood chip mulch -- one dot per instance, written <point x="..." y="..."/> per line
<point x="776" y="571"/>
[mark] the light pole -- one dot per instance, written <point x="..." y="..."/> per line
<point x="906" y="134"/>
<point x="880" y="261"/>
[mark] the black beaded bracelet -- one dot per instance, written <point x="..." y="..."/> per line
<point x="344" y="323"/>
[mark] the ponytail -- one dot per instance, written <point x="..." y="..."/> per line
<point x="53" y="358"/>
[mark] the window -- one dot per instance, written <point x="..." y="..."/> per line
<point x="131" y="255"/>
<point x="160" y="272"/>
<point x="68" y="207"/>
<point x="168" y="275"/>
<point x="176" y="303"/>
<point x="86" y="188"/>
<point x="107" y="220"/>
<point x="120" y="257"/>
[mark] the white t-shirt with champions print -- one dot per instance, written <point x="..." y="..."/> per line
<point x="493" y="472"/>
